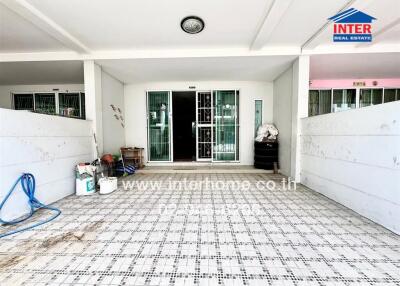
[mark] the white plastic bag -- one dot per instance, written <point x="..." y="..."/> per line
<point x="268" y="131"/>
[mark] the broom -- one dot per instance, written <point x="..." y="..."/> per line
<point x="123" y="164"/>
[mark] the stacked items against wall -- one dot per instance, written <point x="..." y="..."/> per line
<point x="85" y="181"/>
<point x="266" y="148"/>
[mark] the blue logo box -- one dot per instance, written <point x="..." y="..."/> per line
<point x="352" y="37"/>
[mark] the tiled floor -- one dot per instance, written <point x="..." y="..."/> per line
<point x="237" y="237"/>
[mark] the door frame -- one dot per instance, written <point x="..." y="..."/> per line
<point x="171" y="142"/>
<point x="172" y="137"/>
<point x="237" y="126"/>
<point x="205" y="125"/>
<point x="237" y="96"/>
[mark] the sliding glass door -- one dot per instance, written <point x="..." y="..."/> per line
<point x="217" y="126"/>
<point x="159" y="125"/>
<point x="204" y="111"/>
<point x="226" y="125"/>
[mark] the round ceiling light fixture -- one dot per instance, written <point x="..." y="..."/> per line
<point x="192" y="24"/>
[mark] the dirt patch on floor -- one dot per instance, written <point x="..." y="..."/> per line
<point x="70" y="236"/>
<point x="93" y="226"/>
<point x="10" y="261"/>
<point x="53" y="241"/>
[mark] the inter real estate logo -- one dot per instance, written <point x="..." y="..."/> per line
<point x="352" y="26"/>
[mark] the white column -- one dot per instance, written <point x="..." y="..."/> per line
<point x="93" y="101"/>
<point x="301" y="78"/>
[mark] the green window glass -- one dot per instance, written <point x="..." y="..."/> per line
<point x="390" y="95"/>
<point x="325" y="101"/>
<point x="45" y="103"/>
<point x="313" y="102"/>
<point x="377" y="96"/>
<point x="159" y="126"/>
<point x="23" y="102"/>
<point x="69" y="104"/>
<point x="370" y="96"/>
<point x="344" y="99"/>
<point x="257" y="115"/>
<point x="319" y="102"/>
<point x="226" y="128"/>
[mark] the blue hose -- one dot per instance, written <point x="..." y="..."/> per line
<point x="28" y="186"/>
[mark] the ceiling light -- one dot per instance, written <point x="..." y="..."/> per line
<point x="192" y="25"/>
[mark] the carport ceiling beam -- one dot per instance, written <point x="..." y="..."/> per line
<point x="271" y="19"/>
<point x="382" y="31"/>
<point x="40" y="20"/>
<point x="312" y="42"/>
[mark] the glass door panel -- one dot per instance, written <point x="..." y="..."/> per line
<point x="159" y="125"/>
<point x="257" y="115"/>
<point x="377" y="95"/>
<point x="370" y="97"/>
<point x="365" y="97"/>
<point x="390" y="95"/>
<point x="344" y="99"/>
<point x="204" y="125"/>
<point x="313" y="102"/>
<point x="325" y="101"/>
<point x="225" y="130"/>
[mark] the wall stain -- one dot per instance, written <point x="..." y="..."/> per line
<point x="384" y="126"/>
<point x="395" y="161"/>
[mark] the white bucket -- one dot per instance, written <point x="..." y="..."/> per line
<point x="108" y="185"/>
<point x="85" y="186"/>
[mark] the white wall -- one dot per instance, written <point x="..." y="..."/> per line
<point x="6" y="90"/>
<point x="353" y="157"/>
<point x="113" y="131"/>
<point x="301" y="79"/>
<point x="135" y="107"/>
<point x="93" y="102"/>
<point x="47" y="146"/>
<point x="283" y="118"/>
<point x="290" y="105"/>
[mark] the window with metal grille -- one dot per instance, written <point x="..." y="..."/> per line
<point x="69" y="104"/>
<point x="45" y="103"/>
<point x="23" y="101"/>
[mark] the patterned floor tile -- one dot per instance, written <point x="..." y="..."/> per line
<point x="205" y="236"/>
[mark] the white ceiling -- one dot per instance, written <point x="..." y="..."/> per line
<point x="137" y="40"/>
<point x="385" y="11"/>
<point x="131" y="25"/>
<point x="19" y="35"/>
<point x="190" y="69"/>
<point x="138" y="24"/>
<point x="342" y="66"/>
<point x="41" y="72"/>
<point x="302" y="19"/>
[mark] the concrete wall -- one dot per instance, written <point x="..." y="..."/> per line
<point x="47" y="146"/>
<point x="113" y="130"/>
<point x="6" y="90"/>
<point x="135" y="107"/>
<point x="353" y="157"/>
<point x="93" y="102"/>
<point x="283" y="118"/>
<point x="301" y="77"/>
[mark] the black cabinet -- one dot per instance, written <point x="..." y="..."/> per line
<point x="266" y="154"/>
